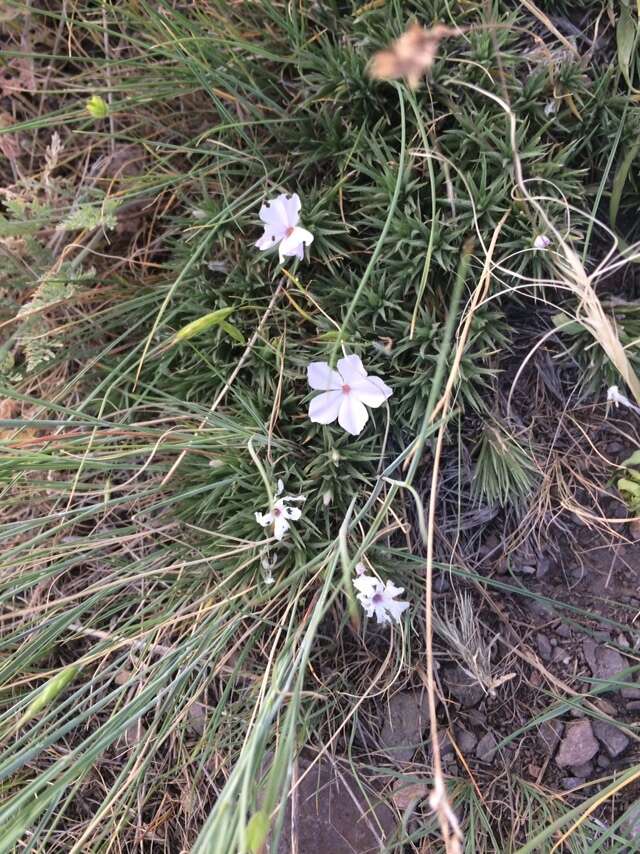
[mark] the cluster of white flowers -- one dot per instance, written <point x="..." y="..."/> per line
<point x="346" y="392"/>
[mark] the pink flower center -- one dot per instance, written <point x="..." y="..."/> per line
<point x="288" y="231"/>
<point x="377" y="598"/>
<point x="277" y="511"/>
<point x="346" y="388"/>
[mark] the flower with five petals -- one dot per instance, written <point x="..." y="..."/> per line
<point x="346" y="393"/>
<point x="281" y="217"/>
<point x="379" y="599"/>
<point x="280" y="514"/>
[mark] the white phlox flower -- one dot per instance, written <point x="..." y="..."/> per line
<point x="346" y="393"/>
<point x="280" y="514"/>
<point x="281" y="217"/>
<point x="379" y="599"/>
<point x="615" y="396"/>
<point x="541" y="242"/>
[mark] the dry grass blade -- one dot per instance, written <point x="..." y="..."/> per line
<point x="593" y="317"/>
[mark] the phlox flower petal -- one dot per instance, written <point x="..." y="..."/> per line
<point x="322" y="378"/>
<point x="294" y="241"/>
<point x="351" y="369"/>
<point x="324" y="408"/>
<point x="352" y="415"/>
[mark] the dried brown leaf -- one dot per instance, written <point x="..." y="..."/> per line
<point x="9" y="142"/>
<point x="411" y="56"/>
<point x="405" y="794"/>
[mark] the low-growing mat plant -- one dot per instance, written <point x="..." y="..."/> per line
<point x="165" y="662"/>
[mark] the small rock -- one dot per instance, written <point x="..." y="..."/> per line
<point x="463" y="687"/>
<point x="535" y="679"/>
<point x="133" y="735"/>
<point x="441" y="583"/>
<point x="603" y="761"/>
<point x="634" y="706"/>
<point x="543" y="566"/>
<point x="541" y="612"/>
<point x="449" y="763"/>
<point x="407" y="716"/>
<point x="613" y="739"/>
<point x="332" y="814"/>
<point x="632" y="690"/>
<point x="563" y="631"/>
<point x="544" y="647"/>
<point x="122" y="676"/>
<point x="466" y="740"/>
<point x="589" y="647"/>
<point x="487" y="746"/>
<point x="197" y="718"/>
<point x="621" y="640"/>
<point x="578" y="745"/>
<point x="561" y="654"/>
<point x="406" y="794"/>
<point x="606" y="664"/>
<point x="477" y="717"/>
<point x="444" y="743"/>
<point x="568" y="783"/>
<point x="585" y="770"/>
<point x="605" y="706"/>
<point x="549" y="735"/>
<point x="524" y="569"/>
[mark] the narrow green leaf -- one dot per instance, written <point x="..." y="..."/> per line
<point x="257" y="830"/>
<point x="619" y="181"/>
<point x="626" y="31"/>
<point x="49" y="692"/>
<point x="213" y="318"/>
<point x="571" y="327"/>
<point x="332" y="335"/>
<point x="233" y="332"/>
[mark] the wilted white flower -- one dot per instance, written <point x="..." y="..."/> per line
<point x="378" y="598"/>
<point x="267" y="564"/>
<point x="551" y="107"/>
<point x="615" y="396"/>
<point x="281" y="217"/>
<point x="347" y="393"/>
<point x="541" y="242"/>
<point x="280" y="513"/>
